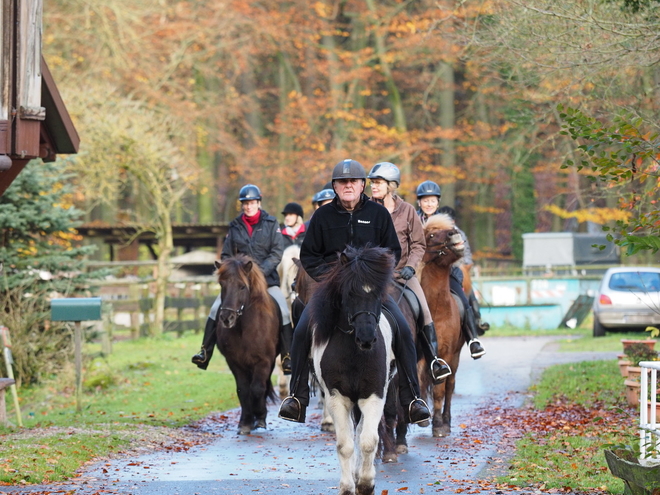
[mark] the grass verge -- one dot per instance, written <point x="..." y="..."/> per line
<point x="141" y="391"/>
<point x="578" y="410"/>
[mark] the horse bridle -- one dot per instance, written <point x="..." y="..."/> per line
<point x="238" y="311"/>
<point x="441" y="251"/>
<point x="351" y="319"/>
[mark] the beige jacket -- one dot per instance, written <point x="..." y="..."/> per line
<point x="410" y="232"/>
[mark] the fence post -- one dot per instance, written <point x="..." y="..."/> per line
<point x="76" y="310"/>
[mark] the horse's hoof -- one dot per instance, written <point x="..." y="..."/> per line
<point x="244" y="430"/>
<point x="260" y="424"/>
<point x="441" y="432"/>
<point x="424" y="424"/>
<point x="401" y="449"/>
<point x="390" y="457"/>
<point x="328" y="427"/>
<point x="366" y="489"/>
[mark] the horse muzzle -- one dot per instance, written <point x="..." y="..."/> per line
<point x="229" y="316"/>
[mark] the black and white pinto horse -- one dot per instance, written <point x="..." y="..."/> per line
<point x="353" y="358"/>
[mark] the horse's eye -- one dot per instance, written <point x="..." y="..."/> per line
<point x="431" y="236"/>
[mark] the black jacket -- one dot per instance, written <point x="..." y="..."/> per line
<point x="332" y="228"/>
<point x="265" y="246"/>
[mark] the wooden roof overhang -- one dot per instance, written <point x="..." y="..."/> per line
<point x="41" y="134"/>
<point x="188" y="236"/>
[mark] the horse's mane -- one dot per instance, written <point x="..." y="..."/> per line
<point x="439" y="221"/>
<point x="233" y="268"/>
<point x="354" y="268"/>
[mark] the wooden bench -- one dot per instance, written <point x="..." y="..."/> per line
<point x="4" y="383"/>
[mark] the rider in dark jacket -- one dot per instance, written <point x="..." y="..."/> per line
<point x="257" y="234"/>
<point x="351" y="218"/>
<point x="428" y="199"/>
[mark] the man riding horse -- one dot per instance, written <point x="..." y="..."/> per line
<point x="257" y="234"/>
<point x="428" y="199"/>
<point x="350" y="219"/>
<point x="385" y="178"/>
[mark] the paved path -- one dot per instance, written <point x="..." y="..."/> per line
<point x="293" y="458"/>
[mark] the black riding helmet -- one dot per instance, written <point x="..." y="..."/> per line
<point x="294" y="208"/>
<point x="428" y="188"/>
<point x="323" y="195"/>
<point x="349" y="169"/>
<point x="249" y="192"/>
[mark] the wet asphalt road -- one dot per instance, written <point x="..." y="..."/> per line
<point x="294" y="458"/>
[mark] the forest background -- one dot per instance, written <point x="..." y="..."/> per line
<point x="207" y="96"/>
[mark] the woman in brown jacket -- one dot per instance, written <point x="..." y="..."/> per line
<point x="385" y="178"/>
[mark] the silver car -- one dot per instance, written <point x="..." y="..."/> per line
<point x="628" y="297"/>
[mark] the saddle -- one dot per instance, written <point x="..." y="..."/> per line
<point x="413" y="302"/>
<point x="461" y="307"/>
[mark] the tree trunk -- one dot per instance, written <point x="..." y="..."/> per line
<point x="447" y="121"/>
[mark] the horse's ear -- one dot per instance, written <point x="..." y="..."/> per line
<point x="217" y="264"/>
<point x="248" y="266"/>
<point x="343" y="259"/>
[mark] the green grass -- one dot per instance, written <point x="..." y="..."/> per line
<point x="581" y="410"/>
<point x="143" y="383"/>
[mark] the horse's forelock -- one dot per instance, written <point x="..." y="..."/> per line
<point x="369" y="266"/>
<point x="231" y="268"/>
<point x="439" y="221"/>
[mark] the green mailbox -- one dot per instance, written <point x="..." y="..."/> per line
<point x="75" y="309"/>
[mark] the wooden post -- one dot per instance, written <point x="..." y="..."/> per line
<point x="77" y="339"/>
<point x="9" y="360"/>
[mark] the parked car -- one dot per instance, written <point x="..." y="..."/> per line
<point x="628" y="297"/>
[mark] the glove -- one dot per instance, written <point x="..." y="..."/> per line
<point x="407" y="272"/>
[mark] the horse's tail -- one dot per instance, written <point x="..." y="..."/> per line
<point x="270" y="392"/>
<point x="386" y="442"/>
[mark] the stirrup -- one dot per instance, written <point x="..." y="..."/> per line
<point x="478" y="354"/>
<point x="201" y="357"/>
<point x="419" y="421"/>
<point x="300" y="418"/>
<point x="444" y="375"/>
<point x="286" y="364"/>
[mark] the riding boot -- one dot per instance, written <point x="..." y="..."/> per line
<point x="202" y="358"/>
<point x="417" y="411"/>
<point x="287" y="336"/>
<point x="429" y="343"/>
<point x="482" y="326"/>
<point x="470" y="329"/>
<point x="294" y="407"/>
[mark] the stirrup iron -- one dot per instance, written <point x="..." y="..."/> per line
<point x="443" y="376"/>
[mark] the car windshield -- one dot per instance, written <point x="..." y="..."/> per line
<point x="635" y="281"/>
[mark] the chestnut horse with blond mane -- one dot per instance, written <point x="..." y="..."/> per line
<point x="444" y="246"/>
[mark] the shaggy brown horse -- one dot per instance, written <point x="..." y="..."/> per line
<point x="444" y="246"/>
<point x="248" y="326"/>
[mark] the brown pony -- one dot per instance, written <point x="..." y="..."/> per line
<point x="248" y="333"/>
<point x="444" y="246"/>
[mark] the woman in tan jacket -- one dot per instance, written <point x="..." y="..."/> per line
<point x="385" y="178"/>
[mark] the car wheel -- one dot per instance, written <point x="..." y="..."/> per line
<point x="599" y="330"/>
